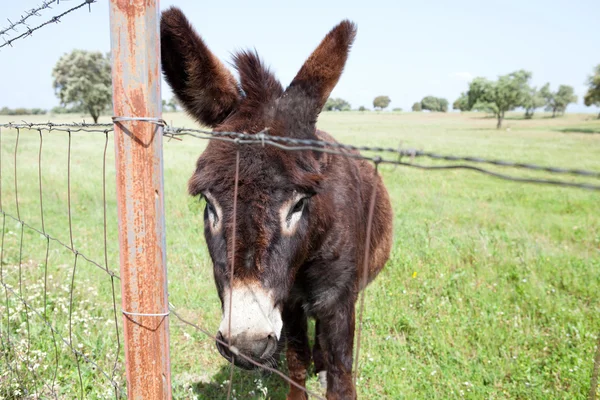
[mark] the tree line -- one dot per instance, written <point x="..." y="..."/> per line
<point x="512" y="91"/>
<point x="82" y="81"/>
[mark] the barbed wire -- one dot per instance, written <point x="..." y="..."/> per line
<point x="29" y="13"/>
<point x="347" y="150"/>
<point x="55" y="19"/>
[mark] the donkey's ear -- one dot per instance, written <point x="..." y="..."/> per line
<point x="322" y="70"/>
<point x="205" y="88"/>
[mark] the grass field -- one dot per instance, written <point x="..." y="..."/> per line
<point x="492" y="290"/>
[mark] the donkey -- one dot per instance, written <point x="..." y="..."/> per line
<point x="301" y="216"/>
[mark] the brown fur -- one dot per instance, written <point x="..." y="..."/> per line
<point x="316" y="272"/>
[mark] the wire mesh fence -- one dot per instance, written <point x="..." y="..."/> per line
<point x="51" y="311"/>
<point x="66" y="236"/>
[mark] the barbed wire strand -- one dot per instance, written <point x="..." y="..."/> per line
<point x="55" y="19"/>
<point x="22" y="21"/>
<point x="326" y="147"/>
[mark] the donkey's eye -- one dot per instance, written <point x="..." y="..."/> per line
<point x="210" y="208"/>
<point x="299" y="206"/>
<point x="210" y="213"/>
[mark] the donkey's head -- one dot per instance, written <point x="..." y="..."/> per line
<point x="279" y="212"/>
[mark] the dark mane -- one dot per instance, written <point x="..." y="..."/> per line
<point x="256" y="79"/>
<point x="260" y="88"/>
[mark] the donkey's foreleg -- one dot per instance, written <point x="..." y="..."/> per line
<point x="298" y="349"/>
<point x="337" y="330"/>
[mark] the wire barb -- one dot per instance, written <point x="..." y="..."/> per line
<point x="30" y="13"/>
<point x="30" y="31"/>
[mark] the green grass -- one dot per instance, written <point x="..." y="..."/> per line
<point x="491" y="290"/>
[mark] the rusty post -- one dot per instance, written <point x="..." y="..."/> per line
<point x="136" y="81"/>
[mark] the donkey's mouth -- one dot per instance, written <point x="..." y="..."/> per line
<point x="242" y="360"/>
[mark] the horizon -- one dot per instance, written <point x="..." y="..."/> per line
<point x="431" y="60"/>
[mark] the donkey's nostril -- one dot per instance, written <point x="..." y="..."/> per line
<point x="223" y="349"/>
<point x="271" y="346"/>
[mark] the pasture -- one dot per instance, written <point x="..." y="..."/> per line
<point x="492" y="289"/>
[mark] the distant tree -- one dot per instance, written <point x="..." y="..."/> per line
<point x="22" y="111"/>
<point x="363" y="108"/>
<point x="435" y="104"/>
<point x="429" y="103"/>
<point x="497" y="97"/>
<point x="397" y="109"/>
<point x="381" y="102"/>
<point x="532" y="100"/>
<point x="416" y="107"/>
<point x="170" y="105"/>
<point x="592" y="97"/>
<point x="77" y="109"/>
<point x="174" y="104"/>
<point x="462" y="103"/>
<point x="336" y="104"/>
<point x="558" y="101"/>
<point x="443" y="104"/>
<point x="83" y="78"/>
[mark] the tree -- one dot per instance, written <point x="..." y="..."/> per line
<point x="83" y="78"/>
<point x="397" y="109"/>
<point x="532" y="100"/>
<point x="416" y="107"/>
<point x="436" y="104"/>
<point x="592" y="97"/>
<point x="558" y="101"/>
<point x="336" y="104"/>
<point x="462" y="103"/>
<point x="497" y="97"/>
<point x="363" y="108"/>
<point x="172" y="105"/>
<point x="381" y="102"/>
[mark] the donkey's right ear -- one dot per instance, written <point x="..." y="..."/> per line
<point x="205" y="88"/>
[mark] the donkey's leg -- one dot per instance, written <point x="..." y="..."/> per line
<point x="298" y="349"/>
<point x="337" y="329"/>
<point x="318" y="354"/>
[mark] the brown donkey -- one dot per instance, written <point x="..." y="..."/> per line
<point x="301" y="217"/>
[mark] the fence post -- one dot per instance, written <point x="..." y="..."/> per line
<point x="136" y="81"/>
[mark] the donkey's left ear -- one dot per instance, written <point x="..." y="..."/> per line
<point x="304" y="98"/>
<point x="322" y="70"/>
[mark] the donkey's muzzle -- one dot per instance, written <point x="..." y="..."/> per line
<point x="260" y="350"/>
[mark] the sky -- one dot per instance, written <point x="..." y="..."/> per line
<point x="404" y="49"/>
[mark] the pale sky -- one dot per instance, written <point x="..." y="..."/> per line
<point x="404" y="49"/>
